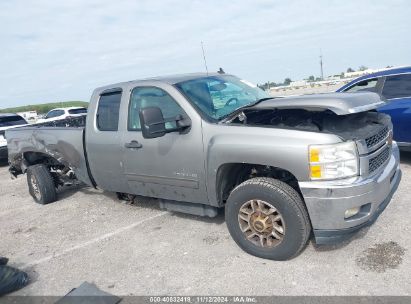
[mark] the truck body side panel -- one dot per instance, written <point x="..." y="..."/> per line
<point x="63" y="144"/>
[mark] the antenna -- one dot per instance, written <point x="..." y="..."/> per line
<point x="205" y="61"/>
<point x="321" y="64"/>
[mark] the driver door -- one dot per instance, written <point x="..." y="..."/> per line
<point x="169" y="167"/>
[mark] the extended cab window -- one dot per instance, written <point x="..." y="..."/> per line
<point x="397" y="86"/>
<point x="142" y="97"/>
<point x="108" y="111"/>
<point x="369" y="85"/>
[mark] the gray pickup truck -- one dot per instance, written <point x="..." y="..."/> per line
<point x="282" y="168"/>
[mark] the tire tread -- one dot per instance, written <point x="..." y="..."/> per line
<point x="287" y="192"/>
<point x="45" y="183"/>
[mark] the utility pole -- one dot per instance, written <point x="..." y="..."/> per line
<point x="205" y="61"/>
<point x="321" y="65"/>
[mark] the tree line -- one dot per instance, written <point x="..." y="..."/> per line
<point x="45" y="107"/>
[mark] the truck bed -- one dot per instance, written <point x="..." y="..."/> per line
<point x="65" y="144"/>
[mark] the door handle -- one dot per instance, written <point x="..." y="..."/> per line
<point x="134" y="144"/>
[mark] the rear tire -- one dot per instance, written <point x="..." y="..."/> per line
<point x="267" y="218"/>
<point x="41" y="184"/>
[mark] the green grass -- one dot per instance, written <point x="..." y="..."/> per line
<point x="45" y="107"/>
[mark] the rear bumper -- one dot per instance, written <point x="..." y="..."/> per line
<point x="327" y="201"/>
<point x="3" y="152"/>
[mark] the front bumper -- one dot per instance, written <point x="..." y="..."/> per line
<point x="327" y="201"/>
<point x="3" y="152"/>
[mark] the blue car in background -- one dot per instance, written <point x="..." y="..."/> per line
<point x="394" y="85"/>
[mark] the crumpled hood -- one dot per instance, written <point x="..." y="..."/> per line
<point x="339" y="103"/>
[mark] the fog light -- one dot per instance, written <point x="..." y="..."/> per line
<point x="351" y="212"/>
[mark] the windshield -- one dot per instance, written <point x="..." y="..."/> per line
<point x="9" y="121"/>
<point x="218" y="96"/>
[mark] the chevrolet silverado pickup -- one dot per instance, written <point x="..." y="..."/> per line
<point x="282" y="168"/>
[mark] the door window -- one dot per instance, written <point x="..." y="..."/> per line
<point x="54" y="113"/>
<point x="143" y="97"/>
<point x="397" y="86"/>
<point x="369" y="85"/>
<point x="108" y="111"/>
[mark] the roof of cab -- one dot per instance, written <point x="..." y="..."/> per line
<point x="170" y="79"/>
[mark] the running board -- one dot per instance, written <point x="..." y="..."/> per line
<point x="190" y="208"/>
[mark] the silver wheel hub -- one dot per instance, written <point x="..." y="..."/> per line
<point x="35" y="186"/>
<point x="261" y="223"/>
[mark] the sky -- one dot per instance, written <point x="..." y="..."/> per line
<point x="61" y="50"/>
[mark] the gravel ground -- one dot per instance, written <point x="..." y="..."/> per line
<point x="138" y="249"/>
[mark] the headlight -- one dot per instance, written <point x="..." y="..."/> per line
<point x="333" y="161"/>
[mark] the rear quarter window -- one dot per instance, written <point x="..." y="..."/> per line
<point x="108" y="111"/>
<point x="397" y="86"/>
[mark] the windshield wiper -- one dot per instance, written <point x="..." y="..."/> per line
<point x="258" y="101"/>
<point x="262" y="99"/>
<point x="236" y="111"/>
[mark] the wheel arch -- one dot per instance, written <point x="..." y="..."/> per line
<point x="31" y="158"/>
<point x="229" y="175"/>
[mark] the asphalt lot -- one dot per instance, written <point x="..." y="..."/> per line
<point x="138" y="249"/>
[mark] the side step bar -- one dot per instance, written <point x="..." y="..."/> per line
<point x="190" y="208"/>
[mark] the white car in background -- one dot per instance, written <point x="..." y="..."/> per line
<point x="63" y="113"/>
<point x="8" y="121"/>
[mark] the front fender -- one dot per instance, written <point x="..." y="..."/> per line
<point x="281" y="148"/>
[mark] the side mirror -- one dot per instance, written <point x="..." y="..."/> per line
<point x="152" y="122"/>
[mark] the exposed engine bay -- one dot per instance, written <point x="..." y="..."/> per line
<point x="351" y="126"/>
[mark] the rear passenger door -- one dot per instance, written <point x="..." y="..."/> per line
<point x="103" y="140"/>
<point x="397" y="91"/>
<point x="169" y="167"/>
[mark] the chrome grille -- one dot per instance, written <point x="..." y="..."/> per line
<point x="377" y="161"/>
<point x="377" y="138"/>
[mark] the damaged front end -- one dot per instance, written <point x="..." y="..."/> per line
<point x="350" y="116"/>
<point x="338" y="114"/>
<point x="351" y="126"/>
<point x="363" y="169"/>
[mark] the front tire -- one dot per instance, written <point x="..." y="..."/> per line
<point x="267" y="218"/>
<point x="41" y="184"/>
